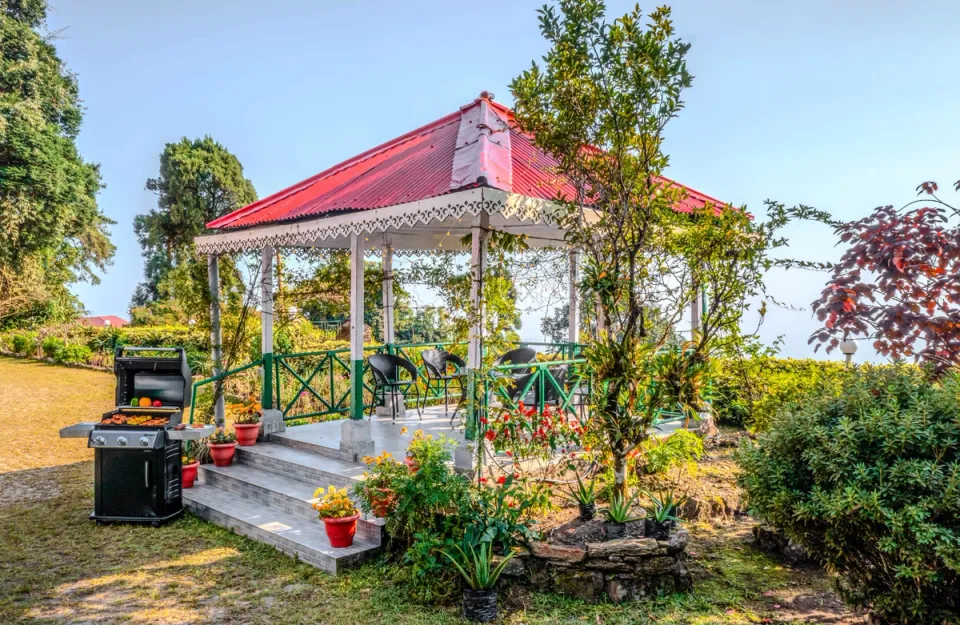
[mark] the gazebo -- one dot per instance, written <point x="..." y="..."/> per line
<point x="471" y="172"/>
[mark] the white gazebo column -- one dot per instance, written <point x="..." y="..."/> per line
<point x="272" y="420"/>
<point x="393" y="402"/>
<point x="573" y="332"/>
<point x="216" y="342"/>
<point x="463" y="456"/>
<point x="696" y="306"/>
<point x="355" y="437"/>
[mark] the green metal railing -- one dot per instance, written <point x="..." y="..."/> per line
<point x="316" y="384"/>
<point x="216" y="378"/>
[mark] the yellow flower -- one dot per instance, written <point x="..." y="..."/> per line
<point x="317" y="493"/>
<point x="403" y="431"/>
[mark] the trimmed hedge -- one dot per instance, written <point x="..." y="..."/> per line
<point x="751" y="392"/>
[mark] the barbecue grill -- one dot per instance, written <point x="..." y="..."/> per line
<point x="137" y="455"/>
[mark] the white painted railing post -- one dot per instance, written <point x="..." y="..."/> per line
<point x="216" y="341"/>
<point x="573" y="332"/>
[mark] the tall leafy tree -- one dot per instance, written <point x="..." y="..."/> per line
<point x="600" y="105"/>
<point x="54" y="233"/>
<point x="199" y="181"/>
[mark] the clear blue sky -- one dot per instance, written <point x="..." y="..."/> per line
<point x="844" y="105"/>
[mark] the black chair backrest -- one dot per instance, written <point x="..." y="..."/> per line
<point x="519" y="356"/>
<point x="436" y="361"/>
<point x="387" y="367"/>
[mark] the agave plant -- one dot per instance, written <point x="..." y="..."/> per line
<point x="584" y="494"/>
<point x="476" y="565"/>
<point x="662" y="506"/>
<point x="619" y="509"/>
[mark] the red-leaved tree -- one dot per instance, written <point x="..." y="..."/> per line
<point x="898" y="283"/>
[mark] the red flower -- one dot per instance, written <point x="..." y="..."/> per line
<point x="501" y="480"/>
<point x="509" y="453"/>
<point x="483" y="480"/>
<point x="490" y="435"/>
<point x="483" y="420"/>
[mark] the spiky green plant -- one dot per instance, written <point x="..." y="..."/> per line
<point x="476" y="565"/>
<point x="619" y="509"/>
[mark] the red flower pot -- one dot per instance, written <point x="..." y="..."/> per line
<point x="222" y="453"/>
<point x="341" y="531"/>
<point x="246" y="433"/>
<point x="188" y="474"/>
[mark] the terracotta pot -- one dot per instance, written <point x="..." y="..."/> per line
<point x="341" y="531"/>
<point x="412" y="464"/>
<point x="222" y="453"/>
<point x="247" y="433"/>
<point x="188" y="474"/>
<point x="480" y="605"/>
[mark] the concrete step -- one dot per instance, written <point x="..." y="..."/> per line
<point x="289" y="439"/>
<point x="289" y="495"/>
<point x="290" y="534"/>
<point x="301" y="465"/>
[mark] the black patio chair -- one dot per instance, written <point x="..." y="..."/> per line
<point x="516" y="378"/>
<point x="387" y="371"/>
<point x="437" y="367"/>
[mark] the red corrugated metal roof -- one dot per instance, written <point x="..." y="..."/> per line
<point x="414" y="166"/>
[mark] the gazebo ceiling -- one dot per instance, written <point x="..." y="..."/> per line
<point x="424" y="189"/>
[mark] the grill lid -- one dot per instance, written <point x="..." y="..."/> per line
<point x="162" y="376"/>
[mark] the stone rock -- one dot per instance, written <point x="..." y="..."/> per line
<point x="659" y="565"/>
<point x="619" y="590"/>
<point x="622" y="547"/>
<point x="576" y="532"/>
<point x="770" y="539"/>
<point x="615" y="566"/>
<point x="292" y="588"/>
<point x="677" y="543"/>
<point x="513" y="568"/>
<point x="558" y="553"/>
<point x="585" y="585"/>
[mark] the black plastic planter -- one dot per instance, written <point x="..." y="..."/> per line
<point x="614" y="530"/>
<point x="480" y="605"/>
<point x="660" y="531"/>
<point x="587" y="511"/>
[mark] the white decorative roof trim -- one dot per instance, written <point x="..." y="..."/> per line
<point x="316" y="232"/>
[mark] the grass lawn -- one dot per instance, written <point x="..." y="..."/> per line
<point x="56" y="566"/>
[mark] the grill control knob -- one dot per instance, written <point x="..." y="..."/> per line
<point x="99" y="440"/>
<point x="121" y="440"/>
<point x="144" y="441"/>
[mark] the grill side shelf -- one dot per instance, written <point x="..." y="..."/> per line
<point x="191" y="434"/>
<point x="79" y="430"/>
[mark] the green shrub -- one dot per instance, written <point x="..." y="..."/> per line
<point x="659" y="455"/>
<point x="24" y="343"/>
<point x="51" y="345"/>
<point x="868" y="481"/>
<point x="751" y="391"/>
<point x="73" y="354"/>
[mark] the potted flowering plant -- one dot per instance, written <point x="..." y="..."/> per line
<point x="338" y="514"/>
<point x="190" y="462"/>
<point x="476" y="566"/>
<point x="223" y="445"/>
<point x="423" y="450"/>
<point x="246" y="420"/>
<point x="377" y="491"/>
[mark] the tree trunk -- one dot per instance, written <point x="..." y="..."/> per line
<point x="620" y="474"/>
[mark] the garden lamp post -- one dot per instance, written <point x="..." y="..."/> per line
<point x="848" y="349"/>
